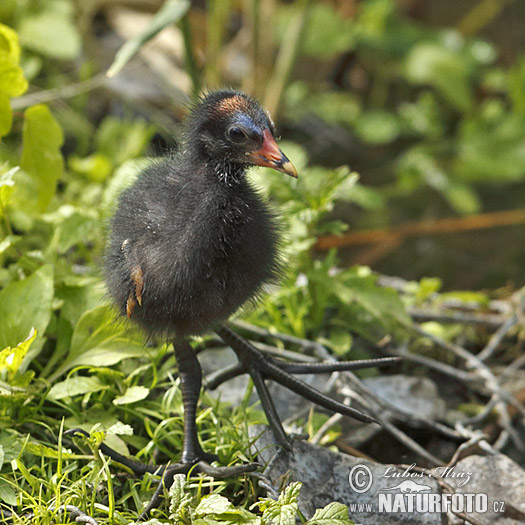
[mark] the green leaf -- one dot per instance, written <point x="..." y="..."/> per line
<point x="7" y="494"/>
<point x="213" y="504"/>
<point x="6" y="188"/>
<point x="490" y="146"/>
<point x="467" y="296"/>
<point x="12" y="81"/>
<point x="47" y="452"/>
<point x="9" y="46"/>
<point x="99" y="340"/>
<point x="120" y="429"/>
<point x="51" y="33"/>
<point x="11" y="358"/>
<point x="25" y="305"/>
<point x="339" y="340"/>
<point x="123" y="139"/>
<point x="445" y="69"/>
<point x="179" y="499"/>
<point x="74" y="386"/>
<point x="8" y="241"/>
<point x="170" y="13"/>
<point x="377" y="127"/>
<point x="333" y="514"/>
<point x="326" y="34"/>
<point x="96" y="167"/>
<point x="41" y="155"/>
<point x="379" y="306"/>
<point x="74" y="225"/>
<point x="132" y="395"/>
<point x="215" y="509"/>
<point x="284" y="510"/>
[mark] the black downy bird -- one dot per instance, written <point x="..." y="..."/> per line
<point x="191" y="242"/>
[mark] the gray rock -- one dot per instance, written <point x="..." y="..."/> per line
<point x="500" y="478"/>
<point x="325" y="477"/>
<point x="415" y="395"/>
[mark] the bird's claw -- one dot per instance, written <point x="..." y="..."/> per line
<point x="261" y="367"/>
<point x="168" y="472"/>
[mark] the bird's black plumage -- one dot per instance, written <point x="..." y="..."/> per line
<point x="202" y="237"/>
<point x="191" y="241"/>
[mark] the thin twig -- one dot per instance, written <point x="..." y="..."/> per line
<point x="59" y="93"/>
<point x="490" y="380"/>
<point x="489" y="320"/>
<point x="497" y="338"/>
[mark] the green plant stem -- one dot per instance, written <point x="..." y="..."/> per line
<point x="7" y="223"/>
<point x="218" y="12"/>
<point x="286" y="57"/>
<point x="189" y="56"/>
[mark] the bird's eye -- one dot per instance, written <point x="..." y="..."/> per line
<point x="236" y="135"/>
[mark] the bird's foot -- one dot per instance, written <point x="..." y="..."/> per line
<point x="168" y="472"/>
<point x="261" y="367"/>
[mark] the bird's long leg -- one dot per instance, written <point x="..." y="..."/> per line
<point x="262" y="367"/>
<point x="190" y="384"/>
<point x="193" y="457"/>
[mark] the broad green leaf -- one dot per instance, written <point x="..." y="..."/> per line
<point x="50" y="33"/>
<point x="326" y="33"/>
<point x="100" y="339"/>
<point x="120" y="429"/>
<point x="25" y="305"/>
<point x="132" y="395"/>
<point x="41" y="155"/>
<point x="377" y="305"/>
<point x="96" y="167"/>
<point x="445" y="69"/>
<point x="9" y="45"/>
<point x="284" y="510"/>
<point x="333" y="514"/>
<point x="377" y="127"/>
<point x="123" y="139"/>
<point x="215" y="508"/>
<point x="7" y="494"/>
<point x="490" y="146"/>
<point x="213" y="504"/>
<point x="79" y="297"/>
<point x="12" y="81"/>
<point x="74" y="386"/>
<point x="74" y="225"/>
<point x="170" y="13"/>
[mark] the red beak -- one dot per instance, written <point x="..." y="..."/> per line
<point x="272" y="157"/>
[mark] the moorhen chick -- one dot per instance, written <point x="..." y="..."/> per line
<point x="192" y="241"/>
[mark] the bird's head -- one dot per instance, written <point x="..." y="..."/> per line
<point x="230" y="129"/>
